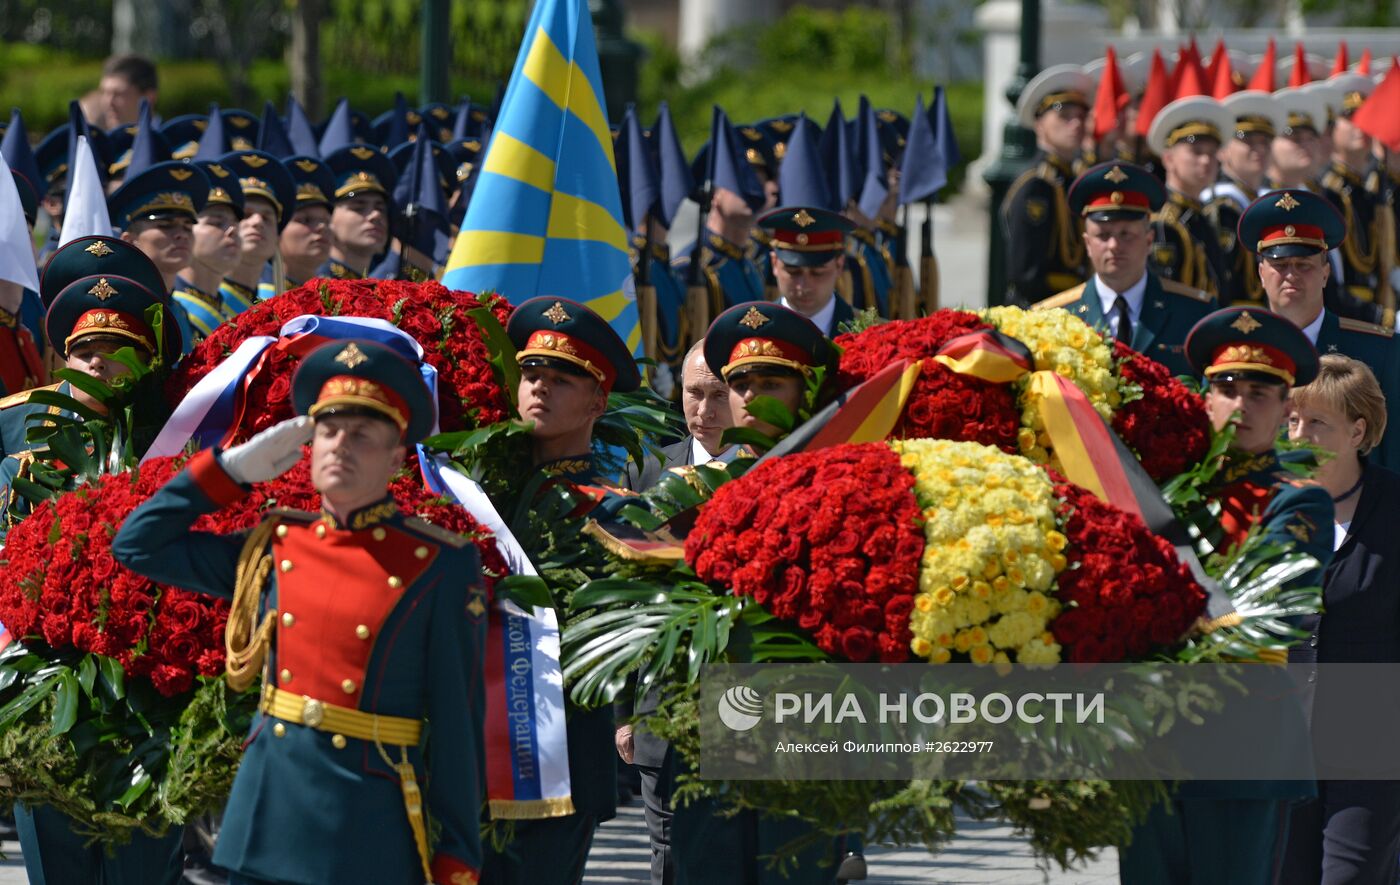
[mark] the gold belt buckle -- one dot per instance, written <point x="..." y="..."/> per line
<point x="313" y="712"/>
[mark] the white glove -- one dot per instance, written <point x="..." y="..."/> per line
<point x="268" y="454"/>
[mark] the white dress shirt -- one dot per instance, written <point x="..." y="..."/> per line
<point x="823" y="318"/>
<point x="1134" y="295"/>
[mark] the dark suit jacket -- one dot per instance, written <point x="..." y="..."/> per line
<point x="1360" y="623"/>
<point x="1169" y="311"/>
<point x="677" y="454"/>
<point x="1361" y="588"/>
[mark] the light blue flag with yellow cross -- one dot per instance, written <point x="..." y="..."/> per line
<point x="546" y="215"/>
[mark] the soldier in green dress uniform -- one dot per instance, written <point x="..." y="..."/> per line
<point x="372" y="622"/>
<point x="1124" y="297"/>
<point x="1291" y="232"/>
<point x="364" y="190"/>
<point x="99" y="290"/>
<point x="570" y="359"/>
<point x="1228" y="831"/>
<point x="1044" y="253"/>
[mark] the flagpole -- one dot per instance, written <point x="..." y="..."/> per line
<point x="697" y="294"/>
<point x="646" y="300"/>
<point x="928" y="262"/>
<point x="1385" y="293"/>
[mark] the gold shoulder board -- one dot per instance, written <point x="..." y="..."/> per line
<point x="1346" y="323"/>
<point x="1068" y="296"/>
<point x="19" y="399"/>
<point x="1176" y="288"/>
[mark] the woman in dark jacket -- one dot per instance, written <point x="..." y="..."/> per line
<point x="1351" y="832"/>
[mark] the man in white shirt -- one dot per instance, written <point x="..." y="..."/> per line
<point x="1124" y="299"/>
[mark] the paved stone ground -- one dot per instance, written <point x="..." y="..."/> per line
<point x="982" y="854"/>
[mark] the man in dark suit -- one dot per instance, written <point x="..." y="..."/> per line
<point x="705" y="401"/>
<point x="1124" y="298"/>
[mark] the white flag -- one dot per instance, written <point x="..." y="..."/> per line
<point x="85" y="209"/>
<point x="16" y="248"/>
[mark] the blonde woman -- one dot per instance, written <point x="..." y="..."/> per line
<point x="1351" y="831"/>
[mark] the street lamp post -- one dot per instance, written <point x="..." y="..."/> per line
<point x="1017" y="150"/>
<point x="434" y="85"/>
<point x="618" y="57"/>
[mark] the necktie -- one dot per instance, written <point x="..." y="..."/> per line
<point x="1122" y="322"/>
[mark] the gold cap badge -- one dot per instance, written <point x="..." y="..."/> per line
<point x="1246" y="324"/>
<point x="556" y="313"/>
<point x="99" y="249"/>
<point x="1287" y="203"/>
<point x="753" y="319"/>
<point x="103" y="290"/>
<point x="351" y="356"/>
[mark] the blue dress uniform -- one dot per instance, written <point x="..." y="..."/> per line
<point x="162" y="190"/>
<point x="371" y="623"/>
<point x="90" y="296"/>
<point x="568" y="337"/>
<point x="727" y="271"/>
<point x="262" y="176"/>
<point x="1229" y="831"/>
<point x="207" y="311"/>
<point x="315" y="186"/>
<point x="1119" y="191"/>
<point x="868" y="263"/>
<point x="673" y="333"/>
<point x="358" y="169"/>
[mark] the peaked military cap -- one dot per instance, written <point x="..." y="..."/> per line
<point x="761" y="336"/>
<point x="1355" y="89"/>
<point x="119" y="142"/>
<point x="367" y="378"/>
<point x="110" y="306"/>
<point x="806" y="236"/>
<point x="224" y="189"/>
<point x="1285" y="223"/>
<point x="261" y="174"/>
<point x="361" y="168"/>
<point x="1251" y="344"/>
<point x="566" y="335"/>
<point x="1189" y="119"/>
<point x="1302" y="110"/>
<point x="184" y="133"/>
<point x="1052" y="88"/>
<point x="52" y="156"/>
<point x="165" y="189"/>
<point x="241" y="128"/>
<point x="760" y="150"/>
<point x="1113" y="191"/>
<point x="466" y="156"/>
<point x="1255" y="111"/>
<point x="402" y="155"/>
<point x="97" y="257"/>
<point x="313" y="179"/>
<point x="439" y="119"/>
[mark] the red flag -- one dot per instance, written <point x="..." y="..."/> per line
<point x="1192" y="81"/>
<point x="1301" y="76"/>
<point x="1379" y="116"/>
<point x="1363" y="67"/>
<point x="1111" y="98"/>
<point x="1340" y="64"/>
<point x="1263" y="78"/>
<point x="1218" y="57"/>
<point x="1223" y="83"/>
<point x="1156" y="96"/>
